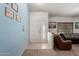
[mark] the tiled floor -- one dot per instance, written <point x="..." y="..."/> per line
<point x="43" y="49"/>
<point x="39" y="46"/>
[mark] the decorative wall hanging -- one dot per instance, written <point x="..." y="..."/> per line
<point x="18" y="18"/>
<point x="77" y="25"/>
<point x="52" y="25"/>
<point x="14" y="6"/>
<point x="9" y="13"/>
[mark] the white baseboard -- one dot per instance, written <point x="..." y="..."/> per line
<point x="23" y="50"/>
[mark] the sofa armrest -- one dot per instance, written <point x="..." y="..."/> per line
<point x="67" y="41"/>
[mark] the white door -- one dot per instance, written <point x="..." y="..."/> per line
<point x="37" y="28"/>
<point x="35" y="32"/>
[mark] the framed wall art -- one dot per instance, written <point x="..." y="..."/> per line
<point x="76" y="25"/>
<point x="52" y="25"/>
<point x="18" y="18"/>
<point x="9" y="13"/>
<point x="14" y="6"/>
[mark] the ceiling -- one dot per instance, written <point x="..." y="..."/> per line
<point x="56" y="9"/>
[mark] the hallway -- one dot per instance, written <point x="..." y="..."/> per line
<point x="22" y="23"/>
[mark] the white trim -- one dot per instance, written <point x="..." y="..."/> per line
<point x="24" y="49"/>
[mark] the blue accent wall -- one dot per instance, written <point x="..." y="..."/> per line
<point x="12" y="39"/>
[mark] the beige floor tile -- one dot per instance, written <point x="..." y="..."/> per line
<point x="39" y="46"/>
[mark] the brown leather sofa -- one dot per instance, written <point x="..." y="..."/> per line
<point x="74" y="37"/>
<point x="62" y="44"/>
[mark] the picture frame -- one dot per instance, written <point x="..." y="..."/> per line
<point x="14" y="6"/>
<point x="9" y="13"/>
<point x="52" y="25"/>
<point x="76" y="25"/>
<point x="18" y="18"/>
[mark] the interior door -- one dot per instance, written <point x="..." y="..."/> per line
<point x="35" y="32"/>
<point x="38" y="26"/>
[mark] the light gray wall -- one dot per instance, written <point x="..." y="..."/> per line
<point x="64" y="19"/>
